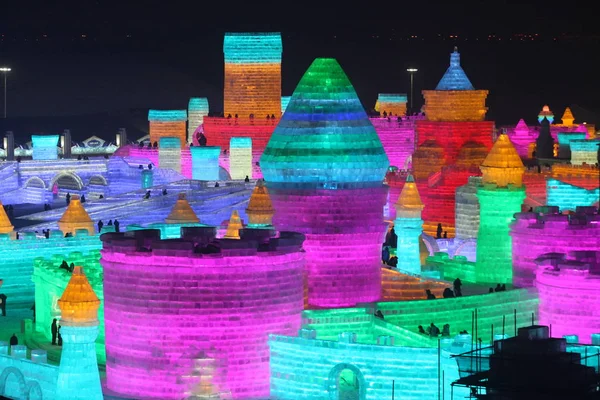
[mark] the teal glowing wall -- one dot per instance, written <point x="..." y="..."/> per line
<point x="568" y="197"/>
<point x="45" y="147"/>
<point x="255" y="48"/>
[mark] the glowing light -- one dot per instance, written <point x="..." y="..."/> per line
<point x="45" y="147"/>
<point x="197" y="110"/>
<point x="408" y="226"/>
<point x="169" y="153"/>
<point x="240" y="158"/>
<point x="226" y="316"/>
<point x="168" y="123"/>
<point x="324" y="166"/>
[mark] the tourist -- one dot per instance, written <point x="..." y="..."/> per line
<point x="434" y="331"/>
<point x="83" y="198"/>
<point x="498" y="288"/>
<point x="385" y="254"/>
<point x="421" y="330"/>
<point x="100" y="225"/>
<point x="110" y="222"/>
<point x="393" y="262"/>
<point x="164" y="192"/>
<point x="14" y="340"/>
<point x="503" y="287"/>
<point x="68" y="198"/>
<point x="117" y="223"/>
<point x="3" y="304"/>
<point x="448" y="293"/>
<point x="217" y="184"/>
<point x="71" y="267"/>
<point x="439" y="231"/>
<point x="430" y="296"/>
<point x="379" y="314"/>
<point x="445" y="234"/>
<point x="64" y="265"/>
<point x="446" y="330"/>
<point x="54" y="331"/>
<point x="59" y="336"/>
<point x="246" y="179"/>
<point x="457" y="287"/>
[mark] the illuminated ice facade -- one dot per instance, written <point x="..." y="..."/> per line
<point x="75" y="218"/>
<point x="285" y="100"/>
<point x="546" y="113"/>
<point x="500" y="196"/>
<point x="23" y="377"/>
<point x="408" y="225"/>
<point x="240" y="157"/>
<point x="228" y="295"/>
<point x="205" y="162"/>
<point x="584" y="151"/>
<point x="467" y="209"/>
<point x="324" y="168"/>
<point x="455" y="114"/>
<point x="45" y="147"/>
<point x="16" y="263"/>
<point x="197" y="110"/>
<point x="78" y="376"/>
<point x="397" y="138"/>
<point x="393" y="104"/>
<point x="51" y="281"/>
<point x="252" y="74"/>
<point x="547" y="231"/>
<point x="169" y="153"/>
<point x="570" y="186"/>
<point x="564" y="142"/>
<point x="351" y="342"/>
<point x="569" y="291"/>
<point x="168" y="123"/>
<point x="522" y="138"/>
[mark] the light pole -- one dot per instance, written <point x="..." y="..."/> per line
<point x="411" y="71"/>
<point x="5" y="71"/>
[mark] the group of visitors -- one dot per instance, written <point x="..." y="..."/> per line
<point x="434" y="331"/>
<point x="116" y="224"/>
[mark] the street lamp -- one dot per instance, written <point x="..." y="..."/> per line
<point x="411" y="71"/>
<point x="5" y="71"/>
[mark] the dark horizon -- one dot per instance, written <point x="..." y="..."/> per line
<point x="98" y="63"/>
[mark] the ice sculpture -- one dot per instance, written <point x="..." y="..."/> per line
<point x="182" y="212"/>
<point x="234" y="226"/>
<point x="240" y="158"/>
<point x="567" y="118"/>
<point x="76" y="218"/>
<point x="324" y="168"/>
<point x="500" y="196"/>
<point x="197" y="110"/>
<point x="205" y="162"/>
<point x="5" y="225"/>
<point x="467" y="209"/>
<point x="78" y="376"/>
<point x="220" y="296"/>
<point x="45" y="147"/>
<point x="546" y="113"/>
<point x="447" y="129"/>
<point x="391" y="103"/>
<point x="252" y="74"/>
<point x="564" y="142"/>
<point x="584" y="151"/>
<point x="409" y="226"/>
<point x="168" y="123"/>
<point x="260" y="210"/>
<point x="569" y="291"/>
<point x="169" y="153"/>
<point x="547" y="231"/>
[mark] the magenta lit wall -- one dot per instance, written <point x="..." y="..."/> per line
<point x="166" y="304"/>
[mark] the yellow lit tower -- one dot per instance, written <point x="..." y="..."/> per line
<point x="78" y="376"/>
<point x="500" y="195"/>
<point x="75" y="217"/>
<point x="5" y="225"/>
<point x="260" y="209"/>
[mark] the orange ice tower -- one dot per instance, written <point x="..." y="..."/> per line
<point x="75" y="218"/>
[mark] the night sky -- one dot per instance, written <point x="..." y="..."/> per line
<point x="110" y="56"/>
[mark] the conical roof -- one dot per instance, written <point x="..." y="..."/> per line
<point x="503" y="166"/>
<point x="5" y="225"/>
<point x="182" y="212"/>
<point x="260" y="209"/>
<point x="409" y="202"/>
<point x="521" y="127"/>
<point x="75" y="213"/>
<point x="455" y="77"/>
<point x="325" y="135"/>
<point x="234" y="226"/>
<point x="79" y="303"/>
<point x="567" y="118"/>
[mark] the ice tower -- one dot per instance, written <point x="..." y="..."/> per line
<point x="324" y="167"/>
<point x="75" y="218"/>
<point x="78" y="376"/>
<point x="260" y="209"/>
<point x="5" y="225"/>
<point x="500" y="196"/>
<point x="409" y="226"/>
<point x="182" y="212"/>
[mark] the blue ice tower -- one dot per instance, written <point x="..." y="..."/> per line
<point x="78" y="376"/>
<point x="205" y="162"/>
<point x="409" y="226"/>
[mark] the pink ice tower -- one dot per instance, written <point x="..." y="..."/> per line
<point x="548" y="231"/>
<point x="171" y="305"/>
<point x="569" y="292"/>
<point x="324" y="168"/>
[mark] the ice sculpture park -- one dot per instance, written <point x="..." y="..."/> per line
<point x="299" y="248"/>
